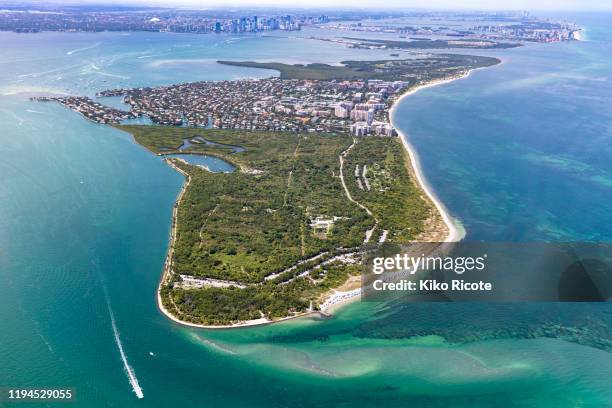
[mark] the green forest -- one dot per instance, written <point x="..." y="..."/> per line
<point x="393" y="195"/>
<point x="253" y="228"/>
<point x="433" y="67"/>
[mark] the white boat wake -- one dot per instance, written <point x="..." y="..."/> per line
<point x="83" y="49"/>
<point x="108" y="74"/>
<point x="18" y="119"/>
<point x="129" y="371"/>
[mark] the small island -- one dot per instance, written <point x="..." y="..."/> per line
<point x="319" y="175"/>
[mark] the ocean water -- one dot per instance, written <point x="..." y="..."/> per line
<point x="516" y="152"/>
<point x="537" y="131"/>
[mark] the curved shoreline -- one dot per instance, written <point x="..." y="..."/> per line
<point x="455" y="230"/>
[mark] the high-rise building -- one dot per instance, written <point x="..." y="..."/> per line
<point x="360" y="129"/>
<point x="341" y="112"/>
<point x="362" y="115"/>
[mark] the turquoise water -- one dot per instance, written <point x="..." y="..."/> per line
<point x="537" y="132"/>
<point x="85" y="215"/>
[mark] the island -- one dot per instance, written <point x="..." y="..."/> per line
<point x="422" y="43"/>
<point x="315" y="177"/>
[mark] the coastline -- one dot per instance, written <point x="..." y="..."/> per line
<point x="455" y="232"/>
<point x="338" y="299"/>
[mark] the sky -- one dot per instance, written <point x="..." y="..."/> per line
<point x="428" y="4"/>
<point x="586" y="5"/>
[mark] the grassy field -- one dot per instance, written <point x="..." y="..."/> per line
<point x="429" y="68"/>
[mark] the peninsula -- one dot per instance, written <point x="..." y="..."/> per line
<point x="319" y="175"/>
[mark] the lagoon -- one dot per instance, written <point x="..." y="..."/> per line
<point x="210" y="163"/>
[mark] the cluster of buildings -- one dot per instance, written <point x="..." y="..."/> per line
<point x="161" y="21"/>
<point x="90" y="109"/>
<point x="509" y="27"/>
<point x="382" y="28"/>
<point x="530" y="31"/>
<point x="255" y="24"/>
<point x="272" y="104"/>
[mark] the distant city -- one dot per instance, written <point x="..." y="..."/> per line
<point x="176" y="21"/>
<point x="525" y="29"/>
<point x="520" y="26"/>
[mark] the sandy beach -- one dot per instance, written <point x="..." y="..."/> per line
<point x="455" y="231"/>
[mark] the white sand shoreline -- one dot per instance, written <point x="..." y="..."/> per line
<point x="455" y="232"/>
